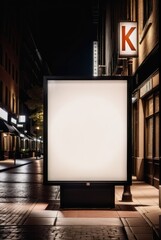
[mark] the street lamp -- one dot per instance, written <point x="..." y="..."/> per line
<point x="37" y="128"/>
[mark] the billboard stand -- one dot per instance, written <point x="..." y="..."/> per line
<point x="87" y="196"/>
<point x="128" y="48"/>
<point x="87" y="132"/>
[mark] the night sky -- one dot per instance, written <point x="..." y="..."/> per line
<point x="63" y="32"/>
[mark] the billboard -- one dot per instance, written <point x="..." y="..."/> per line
<point x="86" y="130"/>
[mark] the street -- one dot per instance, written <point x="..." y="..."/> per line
<point x="22" y="195"/>
<point x="25" y="183"/>
<point x="30" y="210"/>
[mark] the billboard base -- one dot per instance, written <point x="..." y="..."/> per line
<point x="87" y="196"/>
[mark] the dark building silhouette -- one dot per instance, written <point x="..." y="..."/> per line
<point x="21" y="69"/>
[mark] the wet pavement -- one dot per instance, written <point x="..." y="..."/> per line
<point x="57" y="233"/>
<point x="30" y="210"/>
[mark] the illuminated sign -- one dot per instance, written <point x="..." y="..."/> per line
<point x="86" y="130"/>
<point x="13" y="120"/>
<point x="20" y="125"/>
<point x="3" y="114"/>
<point x="128" y="39"/>
<point x="95" y="58"/>
<point x="22" y="119"/>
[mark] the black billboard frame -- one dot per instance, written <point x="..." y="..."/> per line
<point x="129" y="132"/>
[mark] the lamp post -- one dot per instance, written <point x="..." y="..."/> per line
<point x="37" y="128"/>
<point x="127" y="196"/>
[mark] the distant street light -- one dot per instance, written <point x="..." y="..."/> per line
<point x="37" y="128"/>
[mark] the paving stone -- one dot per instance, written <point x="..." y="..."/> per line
<point x="21" y="201"/>
<point x="63" y="233"/>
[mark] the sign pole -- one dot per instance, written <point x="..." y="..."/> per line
<point x="127" y="196"/>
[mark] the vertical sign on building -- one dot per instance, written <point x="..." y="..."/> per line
<point x="128" y="39"/>
<point x="95" y="58"/>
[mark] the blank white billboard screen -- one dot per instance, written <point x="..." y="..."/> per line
<point x="87" y="130"/>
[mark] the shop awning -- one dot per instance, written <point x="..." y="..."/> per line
<point x="7" y="128"/>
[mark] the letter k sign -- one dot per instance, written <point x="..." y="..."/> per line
<point x="128" y="39"/>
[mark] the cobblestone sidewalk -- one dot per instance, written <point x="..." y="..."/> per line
<point x="63" y="233"/>
<point x="15" y="213"/>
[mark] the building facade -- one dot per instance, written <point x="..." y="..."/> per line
<point x="146" y="95"/>
<point x="21" y="69"/>
<point x="10" y="41"/>
<point x="144" y="69"/>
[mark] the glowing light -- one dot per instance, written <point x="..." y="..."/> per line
<point x="87" y="130"/>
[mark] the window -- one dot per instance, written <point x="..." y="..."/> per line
<point x="135" y="129"/>
<point x="156" y="133"/>
<point x="157" y="103"/>
<point x="149" y="107"/>
<point x="156" y="149"/>
<point x="148" y="7"/>
<point x="149" y="138"/>
<point x="152" y="126"/>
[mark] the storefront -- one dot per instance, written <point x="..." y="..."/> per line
<point x="146" y="128"/>
<point x="13" y="143"/>
<point x="9" y="140"/>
